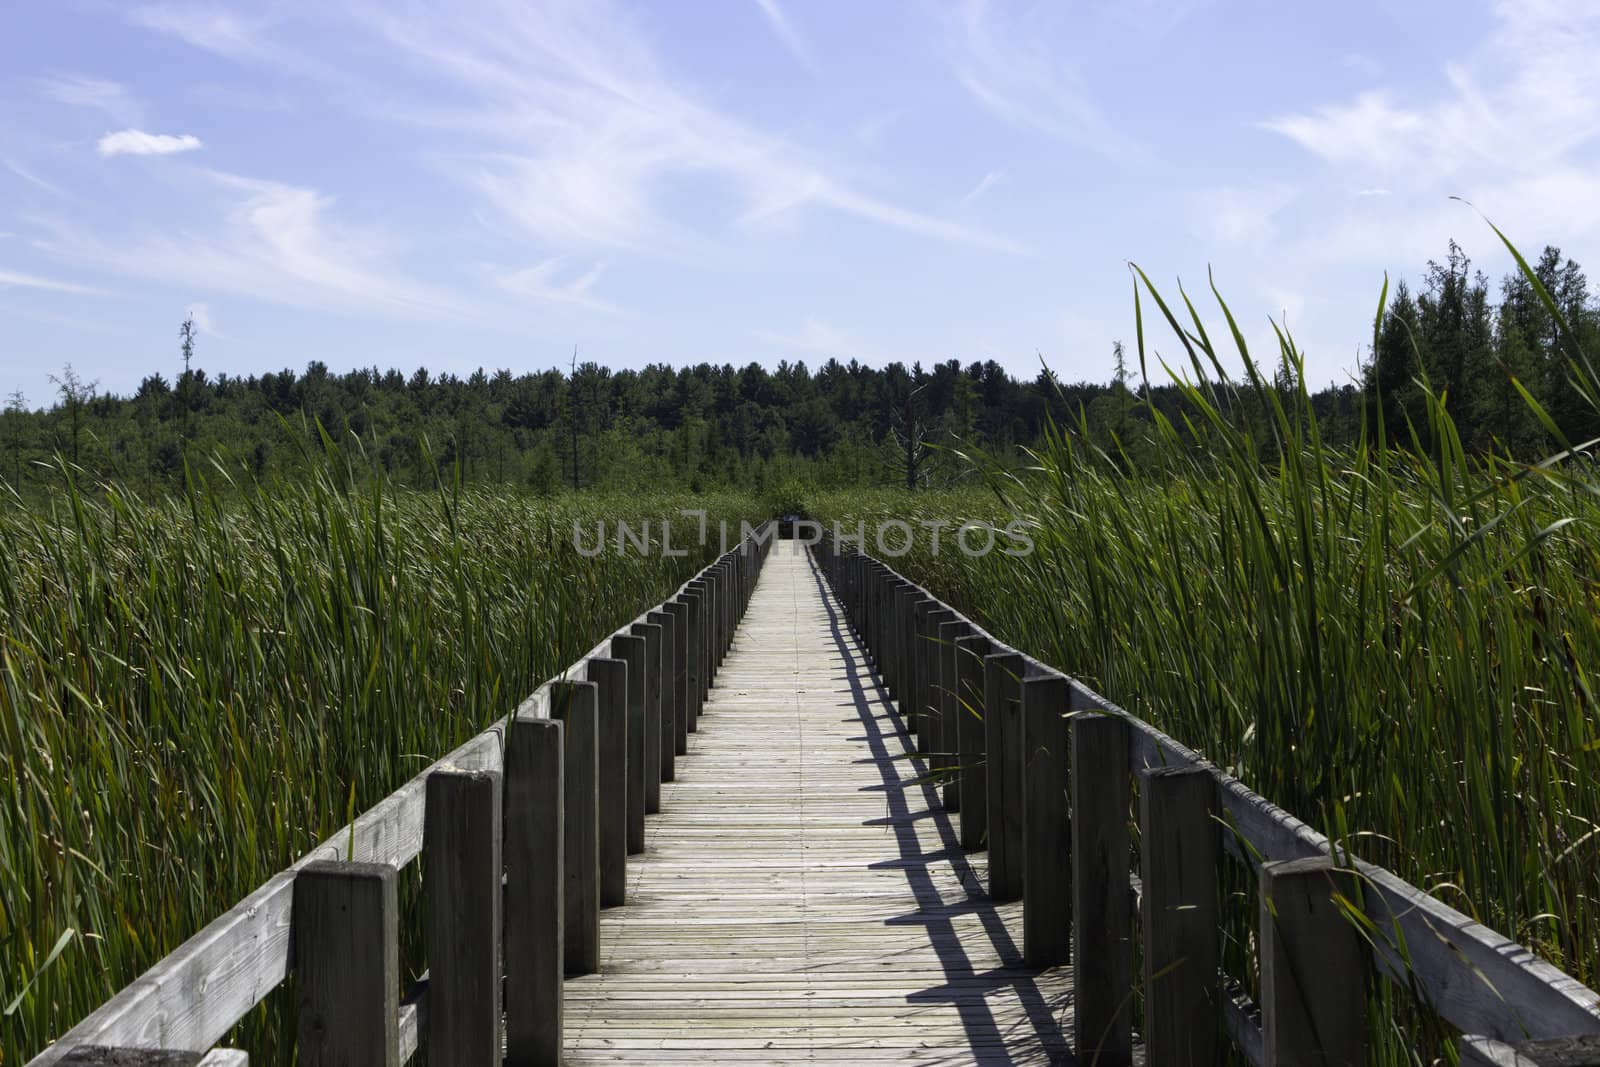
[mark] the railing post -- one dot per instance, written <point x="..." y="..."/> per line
<point x="694" y="596"/>
<point x="611" y="675"/>
<point x="657" y="634"/>
<point x="922" y="607"/>
<point x="576" y="705"/>
<point x="1181" y="939"/>
<point x="461" y="842"/>
<point x="535" y="917"/>
<point x="346" y="937"/>
<point x="679" y="732"/>
<point x="1313" y="966"/>
<point x="1102" y="916"/>
<point x="930" y="739"/>
<point x="1002" y="704"/>
<point x="948" y="703"/>
<point x="974" y="822"/>
<point x="632" y="651"/>
<point x="1047" y="828"/>
<point x="905" y="643"/>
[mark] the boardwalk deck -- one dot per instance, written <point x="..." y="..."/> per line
<point x="798" y="901"/>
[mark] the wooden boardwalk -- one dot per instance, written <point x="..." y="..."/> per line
<point x="797" y="902"/>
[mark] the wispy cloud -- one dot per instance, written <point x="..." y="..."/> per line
<point x="544" y="281"/>
<point x="31" y="178"/>
<point x="206" y="27"/>
<point x="1018" y="74"/>
<point x="77" y="90"/>
<point x="586" y="139"/>
<point x="818" y="337"/>
<point x="786" y="33"/>
<point x="1239" y="214"/>
<point x="201" y="314"/>
<point x="12" y="278"/>
<point x="273" y="242"/>
<point x="987" y="182"/>
<point x="139" y="143"/>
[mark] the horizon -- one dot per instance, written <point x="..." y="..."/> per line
<point x="757" y="180"/>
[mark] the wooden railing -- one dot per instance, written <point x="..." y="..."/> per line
<point x="1040" y="770"/>
<point x="527" y="828"/>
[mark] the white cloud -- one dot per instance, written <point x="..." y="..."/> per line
<point x="987" y="182"/>
<point x="542" y="281"/>
<point x="139" y="143"/>
<point x="11" y="278"/>
<point x="209" y="28"/>
<point x="77" y="90"/>
<point x="201" y="314"/>
<point x="1016" y="72"/>
<point x="31" y="178"/>
<point x="818" y="337"/>
<point x="272" y="241"/>
<point x="787" y="34"/>
<point x="588" y="138"/>
<point x="1238" y="214"/>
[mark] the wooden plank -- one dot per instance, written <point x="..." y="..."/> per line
<point x="575" y="704"/>
<point x="347" y="965"/>
<point x="1183" y="1001"/>
<point x="1102" y="917"/>
<point x="971" y="758"/>
<point x="1313" y="967"/>
<point x="632" y="651"/>
<point x="1047" y="826"/>
<point x="1002" y="703"/>
<point x="611" y="675"/>
<point x="535" y="916"/>
<point x="799" y="901"/>
<point x="681" y="699"/>
<point x="947" y="701"/>
<point x="462" y="894"/>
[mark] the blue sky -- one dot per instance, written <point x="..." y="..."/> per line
<point x="489" y="182"/>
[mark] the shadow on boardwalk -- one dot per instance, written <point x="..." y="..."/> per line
<point x="964" y="988"/>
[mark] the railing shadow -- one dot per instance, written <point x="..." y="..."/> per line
<point x="966" y="988"/>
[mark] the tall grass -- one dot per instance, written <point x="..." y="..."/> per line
<point x="1396" y="646"/>
<point x="196" y="690"/>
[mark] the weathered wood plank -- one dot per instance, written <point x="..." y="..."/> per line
<point x="347" y="965"/>
<point x="462" y="894"/>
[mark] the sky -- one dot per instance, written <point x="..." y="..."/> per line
<point x="493" y="182"/>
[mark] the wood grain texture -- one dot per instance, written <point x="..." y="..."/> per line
<point x="347" y="965"/>
<point x="462" y="894"/>
<point x="797" y="900"/>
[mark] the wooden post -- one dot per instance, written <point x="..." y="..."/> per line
<point x="974" y="822"/>
<point x="657" y="634"/>
<point x="904" y="637"/>
<point x="346" y="952"/>
<point x="917" y="656"/>
<point x="679" y="610"/>
<point x="695" y="598"/>
<point x="1047" y="828"/>
<point x="1102" y="914"/>
<point x="1313" y="967"/>
<point x="929" y="678"/>
<point x="576" y="705"/>
<point x="1178" y="848"/>
<point x="1002" y="696"/>
<point x="461" y="840"/>
<point x="633" y="651"/>
<point x="949" y="703"/>
<point x="535" y="918"/>
<point x="611" y="675"/>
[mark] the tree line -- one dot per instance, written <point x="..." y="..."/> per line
<point x="708" y="425"/>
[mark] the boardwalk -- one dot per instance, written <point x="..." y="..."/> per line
<point x="796" y="903"/>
